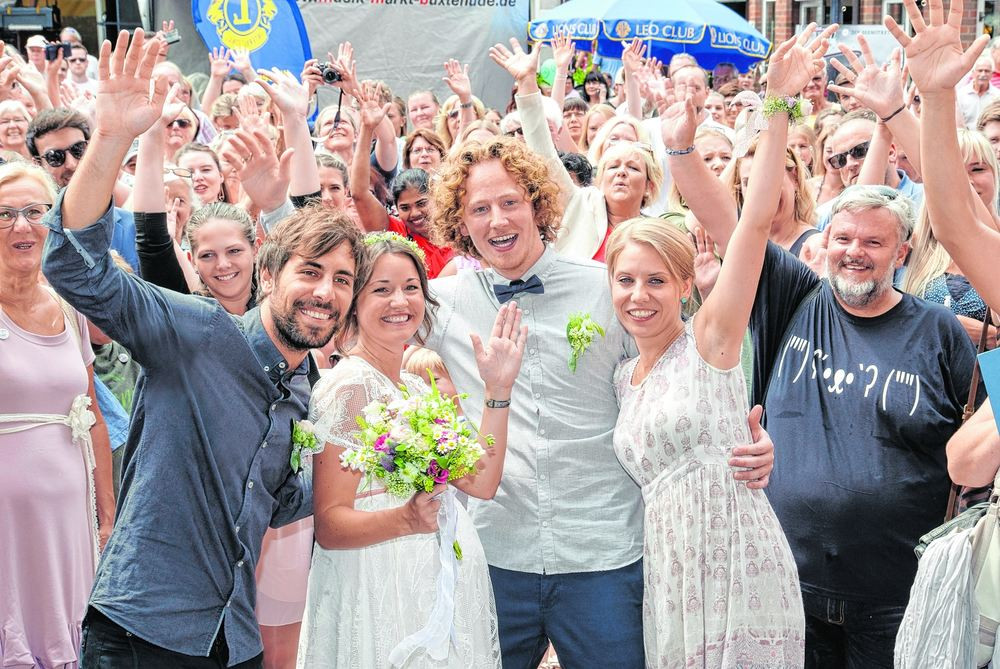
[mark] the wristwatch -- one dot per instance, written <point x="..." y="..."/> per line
<point x="498" y="404"/>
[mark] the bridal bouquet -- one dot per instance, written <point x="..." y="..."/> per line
<point x="413" y="443"/>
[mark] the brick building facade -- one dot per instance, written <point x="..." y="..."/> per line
<point x="778" y="19"/>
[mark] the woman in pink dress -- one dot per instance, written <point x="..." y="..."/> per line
<point x="56" y="497"/>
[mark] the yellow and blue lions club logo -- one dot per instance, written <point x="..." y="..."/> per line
<point x="242" y="24"/>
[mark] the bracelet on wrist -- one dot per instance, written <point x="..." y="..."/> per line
<point x="796" y="108"/>
<point x="466" y="105"/>
<point x="679" y="152"/>
<point x="498" y="404"/>
<point x="892" y="115"/>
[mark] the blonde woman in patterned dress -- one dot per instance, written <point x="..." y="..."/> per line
<point x="721" y="586"/>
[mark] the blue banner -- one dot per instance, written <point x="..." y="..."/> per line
<point x="272" y="30"/>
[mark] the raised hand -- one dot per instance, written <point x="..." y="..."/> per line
<point x="344" y="62"/>
<point x="263" y="176"/>
<point x="125" y="106"/>
<point x="521" y="65"/>
<point x="311" y="76"/>
<point x="172" y="106"/>
<point x="166" y="26"/>
<point x="563" y="50"/>
<point x="285" y="91"/>
<point x="500" y="360"/>
<point x="248" y="114"/>
<point x="706" y="263"/>
<point x="632" y="56"/>
<point x="219" y="62"/>
<point x="31" y="79"/>
<point x="372" y="112"/>
<point x="878" y="88"/>
<point x="8" y="76"/>
<point x="241" y="61"/>
<point x="678" y="123"/>
<point x="457" y="78"/>
<point x="934" y="55"/>
<point x="796" y="60"/>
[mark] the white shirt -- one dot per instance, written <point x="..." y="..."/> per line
<point x="565" y="504"/>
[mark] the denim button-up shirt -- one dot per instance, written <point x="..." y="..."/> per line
<point x="206" y="466"/>
<point x="565" y="504"/>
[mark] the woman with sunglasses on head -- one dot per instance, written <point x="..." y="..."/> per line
<point x="56" y="494"/>
<point x="628" y="176"/>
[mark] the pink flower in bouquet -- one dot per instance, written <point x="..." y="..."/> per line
<point x="437" y="473"/>
<point x="379" y="444"/>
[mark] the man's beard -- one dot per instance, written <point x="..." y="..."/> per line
<point x="299" y="338"/>
<point x="861" y="294"/>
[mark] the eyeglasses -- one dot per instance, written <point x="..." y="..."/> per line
<point x="181" y="172"/>
<point x="181" y="123"/>
<point x="33" y="213"/>
<point x="76" y="60"/>
<point x="13" y="121"/>
<point x="56" y="157"/>
<point x="838" y="160"/>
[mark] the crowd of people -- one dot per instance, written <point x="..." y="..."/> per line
<point x="607" y="276"/>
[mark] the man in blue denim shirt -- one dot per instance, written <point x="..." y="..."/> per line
<point x="206" y="466"/>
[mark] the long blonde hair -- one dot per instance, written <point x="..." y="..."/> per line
<point x="929" y="259"/>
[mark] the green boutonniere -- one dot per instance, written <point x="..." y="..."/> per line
<point x="580" y="332"/>
<point x="304" y="442"/>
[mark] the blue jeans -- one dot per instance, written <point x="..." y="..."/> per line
<point x="594" y="619"/>
<point x="855" y="635"/>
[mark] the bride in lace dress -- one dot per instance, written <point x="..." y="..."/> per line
<point x="373" y="580"/>
<point x="721" y="585"/>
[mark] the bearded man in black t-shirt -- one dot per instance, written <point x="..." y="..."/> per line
<point x="862" y="387"/>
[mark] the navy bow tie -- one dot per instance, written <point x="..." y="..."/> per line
<point x="506" y="293"/>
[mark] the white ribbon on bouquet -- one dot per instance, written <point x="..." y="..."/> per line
<point x="436" y="636"/>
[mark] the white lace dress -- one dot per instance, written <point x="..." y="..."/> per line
<point x="721" y="586"/>
<point x="362" y="602"/>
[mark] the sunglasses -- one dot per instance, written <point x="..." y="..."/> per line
<point x="57" y="157"/>
<point x="453" y="114"/>
<point x="76" y="60"/>
<point x="838" y="160"/>
<point x="517" y="131"/>
<point x="181" y="123"/>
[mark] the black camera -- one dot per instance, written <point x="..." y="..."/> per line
<point x="52" y="50"/>
<point x="331" y="75"/>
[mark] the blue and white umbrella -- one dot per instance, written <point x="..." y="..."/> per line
<point x="708" y="30"/>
